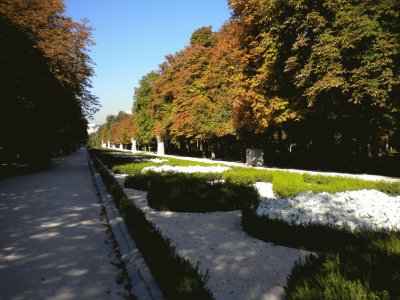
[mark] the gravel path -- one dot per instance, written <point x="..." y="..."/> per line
<point x="240" y="267"/>
<point x="53" y="242"/>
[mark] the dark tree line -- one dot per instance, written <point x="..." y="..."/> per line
<point x="44" y="97"/>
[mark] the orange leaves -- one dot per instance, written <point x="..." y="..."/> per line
<point x="62" y="41"/>
<point x="122" y="129"/>
<point x="179" y="86"/>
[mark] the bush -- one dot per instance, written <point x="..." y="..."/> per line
<point x="176" y="277"/>
<point x="247" y="176"/>
<point x="322" y="278"/>
<point x="285" y="184"/>
<point x="138" y="182"/>
<point x="362" y="265"/>
<point x="197" y="193"/>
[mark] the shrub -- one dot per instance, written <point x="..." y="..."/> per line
<point x="176" y="277"/>
<point x="285" y="184"/>
<point x="360" y="265"/>
<point x="246" y="176"/>
<point x="321" y="277"/>
<point x="197" y="193"/>
<point x="138" y="182"/>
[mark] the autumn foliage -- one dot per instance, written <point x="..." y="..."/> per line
<point x="45" y="74"/>
<point x="317" y="78"/>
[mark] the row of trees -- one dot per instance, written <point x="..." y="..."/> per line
<point x="45" y="77"/>
<point x="317" y="79"/>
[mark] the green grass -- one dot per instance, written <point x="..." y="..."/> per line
<point x="176" y="277"/>
<point x="285" y="184"/>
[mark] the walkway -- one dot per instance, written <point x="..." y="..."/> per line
<point x="53" y="242"/>
<point x="240" y="267"/>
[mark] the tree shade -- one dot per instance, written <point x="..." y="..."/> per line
<point x="44" y="94"/>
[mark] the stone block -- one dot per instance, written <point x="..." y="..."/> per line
<point x="254" y="157"/>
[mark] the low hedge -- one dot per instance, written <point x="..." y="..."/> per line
<point x="197" y="193"/>
<point x="176" y="277"/>
<point x="344" y="275"/>
<point x="362" y="265"/>
<point x="284" y="183"/>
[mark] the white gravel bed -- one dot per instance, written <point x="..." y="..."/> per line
<point x="359" y="210"/>
<point x="187" y="169"/>
<point x="157" y="160"/>
<point x="240" y="267"/>
<point x="264" y="190"/>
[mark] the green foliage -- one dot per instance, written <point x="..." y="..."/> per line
<point x="347" y="266"/>
<point x="246" y="176"/>
<point x="285" y="184"/>
<point x="197" y="193"/>
<point x="138" y="181"/>
<point x="202" y="36"/>
<point x="322" y="278"/>
<point x="31" y="91"/>
<point x="176" y="277"/>
<point x="352" y="273"/>
<point x="144" y="117"/>
<point x="323" y="74"/>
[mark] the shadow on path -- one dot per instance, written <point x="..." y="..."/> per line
<point x="53" y="244"/>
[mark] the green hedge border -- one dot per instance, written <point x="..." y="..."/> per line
<point x="176" y="277"/>
<point x="347" y="265"/>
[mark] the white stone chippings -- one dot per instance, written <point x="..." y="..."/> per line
<point x="264" y="190"/>
<point x="157" y="160"/>
<point x="188" y="169"/>
<point x="359" y="210"/>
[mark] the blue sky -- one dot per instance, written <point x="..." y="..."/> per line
<point x="133" y="36"/>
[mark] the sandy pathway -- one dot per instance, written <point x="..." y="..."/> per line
<point x="240" y="267"/>
<point x="53" y="245"/>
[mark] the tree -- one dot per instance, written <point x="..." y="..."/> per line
<point x="63" y="42"/>
<point x="202" y="36"/>
<point x="30" y="91"/>
<point x="341" y="59"/>
<point x="143" y="116"/>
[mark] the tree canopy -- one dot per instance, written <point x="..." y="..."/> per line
<point x="45" y="74"/>
<point x="321" y="75"/>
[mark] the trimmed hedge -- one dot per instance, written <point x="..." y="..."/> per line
<point x="197" y="193"/>
<point x="176" y="277"/>
<point x="362" y="265"/>
<point x="285" y="184"/>
<point x="348" y="266"/>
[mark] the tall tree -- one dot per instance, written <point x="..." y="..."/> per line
<point x="342" y="62"/>
<point x="259" y="99"/>
<point x="45" y="71"/>
<point x="202" y="36"/>
<point x="143" y="116"/>
<point x="62" y="41"/>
